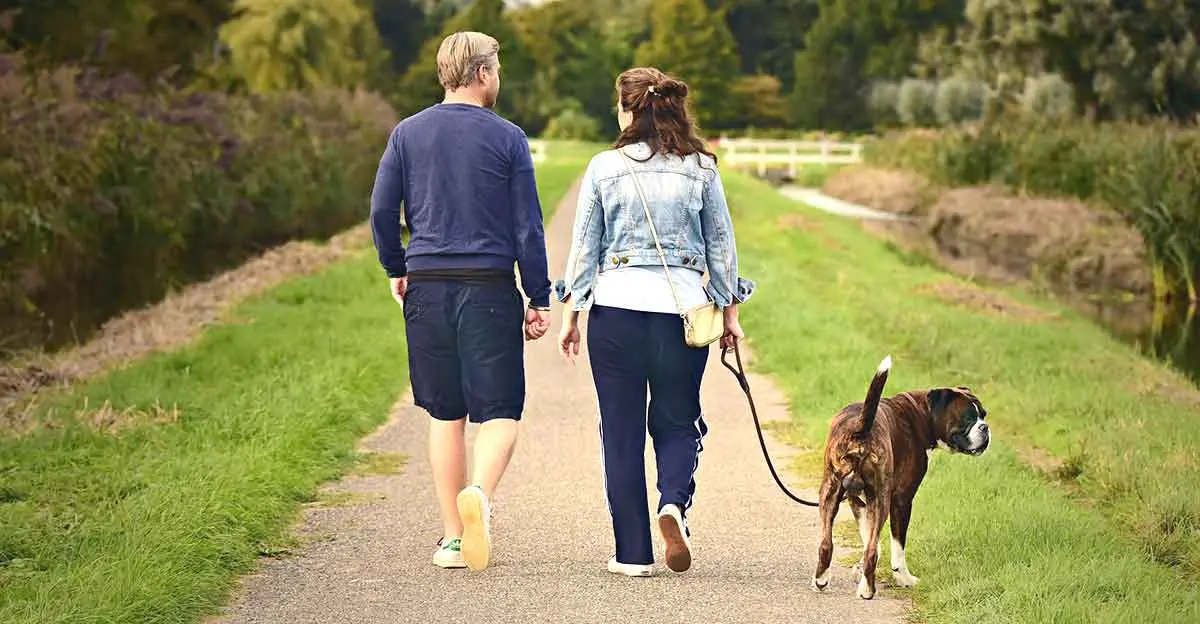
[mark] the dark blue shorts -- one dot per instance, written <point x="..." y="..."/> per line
<point x="466" y="349"/>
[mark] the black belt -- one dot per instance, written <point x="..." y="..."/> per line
<point x="468" y="276"/>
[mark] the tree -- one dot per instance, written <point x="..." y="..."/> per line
<point x="854" y="43"/>
<point x="693" y="43"/>
<point x="297" y="44"/>
<point x="402" y="27"/>
<point x="1121" y="59"/>
<point x="419" y="86"/>
<point x="760" y="102"/>
<point x="579" y="49"/>
<point x="769" y="33"/>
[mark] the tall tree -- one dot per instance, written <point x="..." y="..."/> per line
<point x="690" y="41"/>
<point x="1122" y="59"/>
<point x="419" y="86"/>
<point x="402" y="27"/>
<point x="854" y="43"/>
<point x="296" y="44"/>
<point x="769" y="33"/>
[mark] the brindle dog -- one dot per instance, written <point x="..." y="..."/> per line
<point x="876" y="456"/>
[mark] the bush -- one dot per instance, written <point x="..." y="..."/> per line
<point x="113" y="191"/>
<point x="572" y="124"/>
<point x="1049" y="97"/>
<point x="915" y="103"/>
<point x="959" y="99"/>
<point x="882" y="104"/>
<point x="1150" y="174"/>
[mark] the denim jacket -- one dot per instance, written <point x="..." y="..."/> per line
<point x="687" y="201"/>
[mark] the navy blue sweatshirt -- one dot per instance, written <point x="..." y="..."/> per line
<point x="464" y="176"/>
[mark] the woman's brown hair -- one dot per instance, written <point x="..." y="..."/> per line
<point x="661" y="118"/>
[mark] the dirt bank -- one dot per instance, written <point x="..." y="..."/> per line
<point x="1064" y="246"/>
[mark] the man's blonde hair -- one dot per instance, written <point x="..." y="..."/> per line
<point x="462" y="54"/>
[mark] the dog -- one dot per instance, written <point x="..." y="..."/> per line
<point x="875" y="458"/>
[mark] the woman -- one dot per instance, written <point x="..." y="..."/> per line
<point x="635" y="330"/>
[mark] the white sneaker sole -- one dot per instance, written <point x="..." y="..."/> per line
<point x="679" y="552"/>
<point x="449" y="564"/>
<point x="629" y="569"/>
<point x="476" y="543"/>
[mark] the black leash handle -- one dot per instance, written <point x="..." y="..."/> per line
<point x="740" y="374"/>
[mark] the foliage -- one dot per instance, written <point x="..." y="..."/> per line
<point x="1150" y="174"/>
<point x="915" y="104"/>
<point x="572" y="124"/>
<point x="419" y="87"/>
<point x="1123" y="60"/>
<point x="959" y="99"/>
<point x="280" y="45"/>
<point x="113" y="191"/>
<point x="1048" y="97"/>
<point x="760" y="102"/>
<point x="691" y="42"/>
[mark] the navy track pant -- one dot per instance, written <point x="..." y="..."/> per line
<point x="631" y="353"/>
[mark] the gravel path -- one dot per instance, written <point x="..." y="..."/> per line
<point x="754" y="550"/>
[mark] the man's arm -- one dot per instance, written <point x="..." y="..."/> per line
<point x="527" y="219"/>
<point x="386" y="199"/>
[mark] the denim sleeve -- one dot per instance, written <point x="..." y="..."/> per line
<point x="529" y="230"/>
<point x="725" y="285"/>
<point x="386" y="198"/>
<point x="588" y="234"/>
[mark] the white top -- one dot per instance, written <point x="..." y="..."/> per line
<point x="645" y="289"/>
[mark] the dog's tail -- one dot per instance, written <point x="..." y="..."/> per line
<point x="874" y="394"/>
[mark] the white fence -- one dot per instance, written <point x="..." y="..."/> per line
<point x="537" y="149"/>
<point x="763" y="154"/>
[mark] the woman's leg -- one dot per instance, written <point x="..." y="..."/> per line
<point x="618" y="362"/>
<point x="676" y="423"/>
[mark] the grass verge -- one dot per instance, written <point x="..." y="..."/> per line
<point x="1000" y="537"/>
<point x="144" y="493"/>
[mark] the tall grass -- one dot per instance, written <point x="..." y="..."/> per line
<point x="1148" y="173"/>
<point x="113" y="190"/>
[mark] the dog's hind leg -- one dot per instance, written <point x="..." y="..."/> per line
<point x="864" y="531"/>
<point x="875" y="515"/>
<point x="830" y="499"/>
<point x="901" y="512"/>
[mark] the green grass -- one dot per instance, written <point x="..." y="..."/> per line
<point x="565" y="161"/>
<point x="201" y="458"/>
<point x="993" y="538"/>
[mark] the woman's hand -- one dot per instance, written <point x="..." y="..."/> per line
<point x="568" y="341"/>
<point x="733" y="329"/>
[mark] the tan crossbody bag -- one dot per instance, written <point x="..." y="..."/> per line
<point x="703" y="324"/>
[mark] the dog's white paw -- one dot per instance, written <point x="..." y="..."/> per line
<point x="819" y="583"/>
<point x="864" y="589"/>
<point x="904" y="578"/>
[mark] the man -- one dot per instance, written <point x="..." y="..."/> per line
<point x="465" y="178"/>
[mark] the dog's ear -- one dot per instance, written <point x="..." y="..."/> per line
<point x="939" y="398"/>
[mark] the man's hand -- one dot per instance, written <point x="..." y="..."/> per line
<point x="537" y="323"/>
<point x="399" y="288"/>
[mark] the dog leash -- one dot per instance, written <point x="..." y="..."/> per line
<point x="740" y="373"/>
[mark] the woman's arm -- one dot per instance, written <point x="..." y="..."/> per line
<point x="579" y="276"/>
<point x="725" y="285"/>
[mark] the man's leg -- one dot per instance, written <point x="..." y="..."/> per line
<point x="434" y="373"/>
<point x="492" y="346"/>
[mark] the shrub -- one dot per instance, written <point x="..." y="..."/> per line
<point x="915" y="102"/>
<point x="1150" y="174"/>
<point x="113" y="191"/>
<point x="959" y="99"/>
<point x="882" y="102"/>
<point x="1049" y="97"/>
<point x="572" y="124"/>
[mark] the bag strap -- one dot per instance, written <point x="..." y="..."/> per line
<point x="740" y="373"/>
<point x="654" y="233"/>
